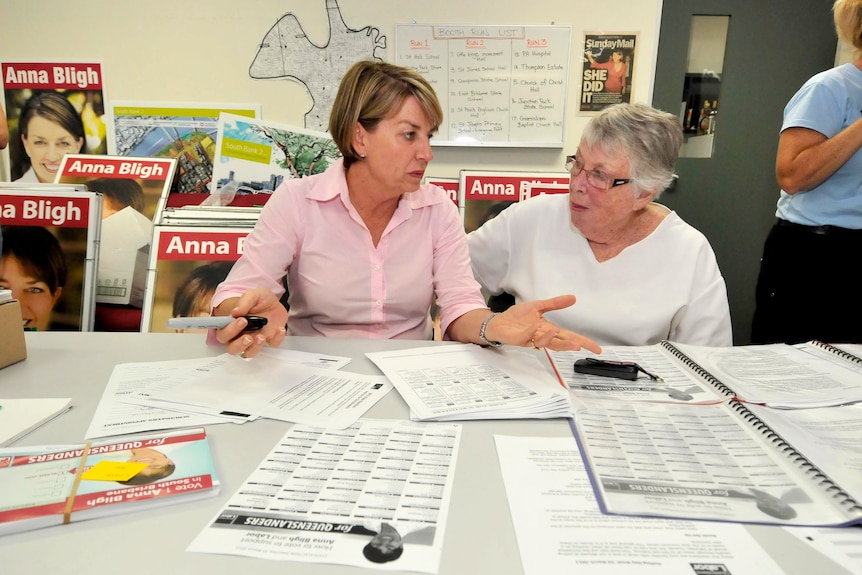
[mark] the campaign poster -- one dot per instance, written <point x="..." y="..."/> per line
<point x="186" y="265"/>
<point x="63" y="106"/>
<point x="131" y="189"/>
<point x="49" y="255"/>
<point x="487" y="193"/>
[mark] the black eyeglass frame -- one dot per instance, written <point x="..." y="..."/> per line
<point x="571" y="162"/>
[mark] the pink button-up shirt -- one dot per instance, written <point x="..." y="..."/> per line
<point x="340" y="284"/>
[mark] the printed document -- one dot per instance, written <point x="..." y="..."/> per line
<point x="828" y="436"/>
<point x="115" y="416"/>
<point x="841" y="544"/>
<point x="268" y="386"/>
<point x="777" y="375"/>
<point x="324" y="496"/>
<point x="780" y="375"/>
<point x="701" y="462"/>
<point x="560" y="529"/>
<point x="675" y="386"/>
<point x="124" y="409"/>
<point x="466" y="381"/>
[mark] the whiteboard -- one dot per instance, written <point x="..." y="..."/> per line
<point x="500" y="86"/>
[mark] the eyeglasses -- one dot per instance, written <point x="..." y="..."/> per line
<point x="595" y="178"/>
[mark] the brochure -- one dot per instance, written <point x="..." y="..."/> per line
<point x="184" y="131"/>
<point x="52" y="485"/>
<point x="254" y="157"/>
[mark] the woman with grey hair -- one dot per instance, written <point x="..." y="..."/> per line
<point x="640" y="272"/>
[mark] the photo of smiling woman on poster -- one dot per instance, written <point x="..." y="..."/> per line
<point x="49" y="128"/>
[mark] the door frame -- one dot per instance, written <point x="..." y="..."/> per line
<point x="773" y="47"/>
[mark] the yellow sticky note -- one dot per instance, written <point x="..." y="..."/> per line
<point x="114" y="470"/>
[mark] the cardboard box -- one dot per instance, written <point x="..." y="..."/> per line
<point x="12" y="346"/>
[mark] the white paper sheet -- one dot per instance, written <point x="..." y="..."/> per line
<point x="18" y="417"/>
<point x="269" y="386"/>
<point x="828" y="436"/>
<point x="460" y="382"/>
<point x="114" y="416"/>
<point x="842" y="545"/>
<point x="124" y="408"/>
<point x="319" y="496"/>
<point x="560" y="529"/>
<point x="677" y="385"/>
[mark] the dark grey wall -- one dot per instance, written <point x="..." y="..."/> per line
<point x="773" y="47"/>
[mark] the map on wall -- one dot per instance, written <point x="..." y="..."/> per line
<point x="287" y="52"/>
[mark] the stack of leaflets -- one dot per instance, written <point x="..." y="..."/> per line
<point x="52" y="485"/>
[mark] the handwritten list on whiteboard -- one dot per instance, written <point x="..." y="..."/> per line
<point x="498" y="85"/>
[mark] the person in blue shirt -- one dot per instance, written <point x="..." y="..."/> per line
<point x="807" y="287"/>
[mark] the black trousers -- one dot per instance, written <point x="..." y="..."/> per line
<point x="809" y="285"/>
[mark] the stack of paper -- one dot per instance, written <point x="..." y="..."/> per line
<point x="321" y="497"/>
<point x="18" y="417"/>
<point x="466" y="381"/>
<point x="560" y="528"/>
<point x="224" y="216"/>
<point x="281" y="384"/>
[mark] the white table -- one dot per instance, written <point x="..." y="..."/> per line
<point x="479" y="539"/>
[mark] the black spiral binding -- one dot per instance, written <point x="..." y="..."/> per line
<point x="695" y="367"/>
<point x="847" y="503"/>
<point x="837" y="351"/>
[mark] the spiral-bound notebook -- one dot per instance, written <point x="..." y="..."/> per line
<point x="845" y="351"/>
<point x="812" y="374"/>
<point x="717" y="461"/>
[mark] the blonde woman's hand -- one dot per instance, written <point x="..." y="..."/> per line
<point x="259" y="302"/>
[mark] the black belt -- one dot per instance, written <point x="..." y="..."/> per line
<point x="818" y="230"/>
